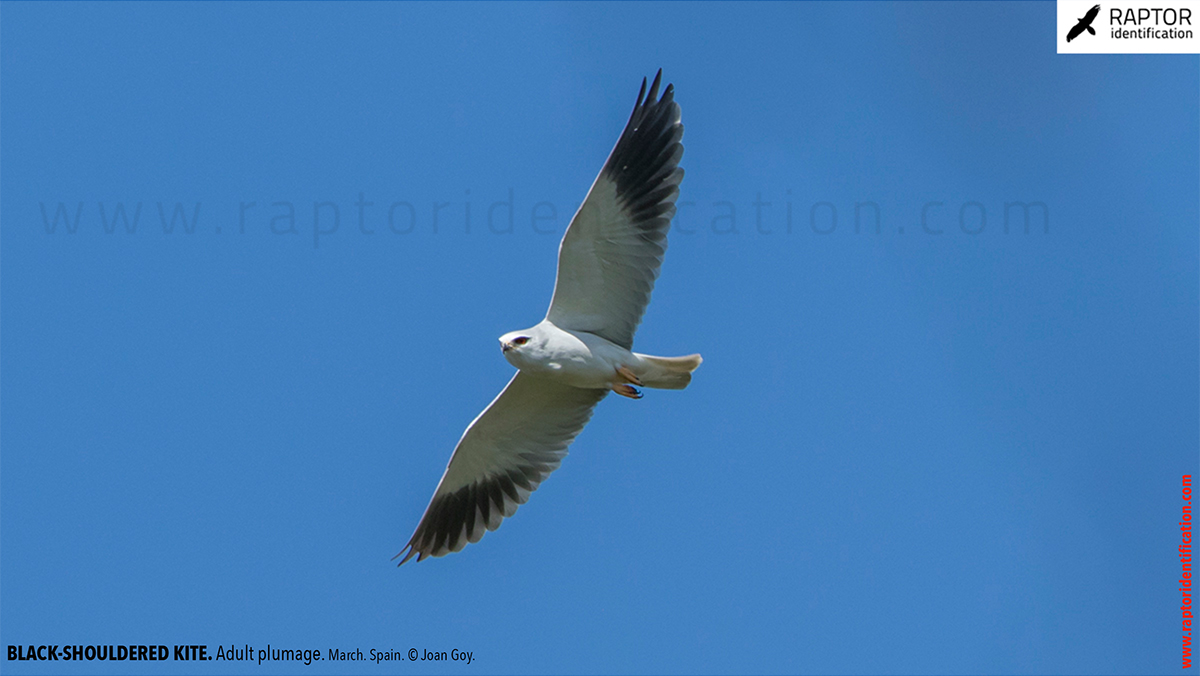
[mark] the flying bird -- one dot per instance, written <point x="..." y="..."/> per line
<point x="1085" y="24"/>
<point x="608" y="261"/>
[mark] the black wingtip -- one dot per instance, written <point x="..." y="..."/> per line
<point x="654" y="87"/>
<point x="648" y="151"/>
<point x="410" y="552"/>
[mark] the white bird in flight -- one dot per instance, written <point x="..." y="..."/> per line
<point x="607" y="264"/>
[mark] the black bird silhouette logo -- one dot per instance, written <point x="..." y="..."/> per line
<point x="1085" y="24"/>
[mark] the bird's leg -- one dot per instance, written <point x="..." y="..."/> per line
<point x="624" y="383"/>
<point x="627" y="391"/>
<point x="629" y="376"/>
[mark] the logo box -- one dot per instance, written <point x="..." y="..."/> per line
<point x="1128" y="27"/>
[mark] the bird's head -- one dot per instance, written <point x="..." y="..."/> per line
<point x="514" y="340"/>
<point x="519" y="345"/>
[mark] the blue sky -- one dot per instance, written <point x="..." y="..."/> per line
<point x="939" y="447"/>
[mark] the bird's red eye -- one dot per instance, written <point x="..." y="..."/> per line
<point x="520" y="341"/>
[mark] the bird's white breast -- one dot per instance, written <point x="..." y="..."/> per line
<point x="576" y="358"/>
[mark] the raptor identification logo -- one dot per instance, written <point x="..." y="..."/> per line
<point x="1129" y="27"/>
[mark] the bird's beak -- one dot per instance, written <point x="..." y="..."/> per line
<point x="505" y="347"/>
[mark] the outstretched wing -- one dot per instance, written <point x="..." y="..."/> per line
<point x="506" y="452"/>
<point x="1074" y="33"/>
<point x="612" y="251"/>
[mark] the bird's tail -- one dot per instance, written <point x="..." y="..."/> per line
<point x="667" y="373"/>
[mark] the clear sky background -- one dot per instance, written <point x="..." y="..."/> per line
<point x="905" y="451"/>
